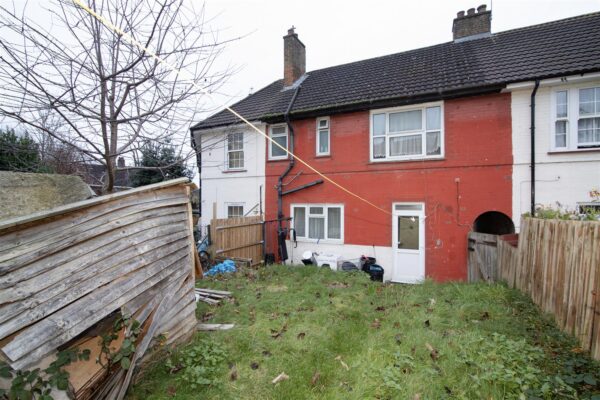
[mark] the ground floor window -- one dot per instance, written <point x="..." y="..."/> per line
<point x="235" y="211"/>
<point x="318" y="221"/>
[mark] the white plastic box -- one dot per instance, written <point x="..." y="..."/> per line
<point x="332" y="261"/>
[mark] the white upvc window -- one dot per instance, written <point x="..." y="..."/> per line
<point x="235" y="210"/>
<point x="235" y="151"/>
<point x="279" y="134"/>
<point x="407" y="133"/>
<point x="576" y="118"/>
<point x="588" y="124"/>
<point x="318" y="222"/>
<point x="323" y="137"/>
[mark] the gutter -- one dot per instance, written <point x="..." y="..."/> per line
<point x="532" y="129"/>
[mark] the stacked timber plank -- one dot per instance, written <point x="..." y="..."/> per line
<point x="65" y="271"/>
<point x="211" y="296"/>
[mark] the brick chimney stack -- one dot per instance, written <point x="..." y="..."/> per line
<point x="473" y="25"/>
<point x="294" y="58"/>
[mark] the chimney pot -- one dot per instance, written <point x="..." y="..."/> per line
<point x="473" y="25"/>
<point x="294" y="58"/>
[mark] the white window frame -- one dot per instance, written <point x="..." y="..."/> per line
<point x="287" y="141"/>
<point x="234" y="205"/>
<point x="227" y="152"/>
<point x="591" y="204"/>
<point x="572" y="117"/>
<point x="318" y="136"/>
<point x="423" y="107"/>
<point x="307" y="214"/>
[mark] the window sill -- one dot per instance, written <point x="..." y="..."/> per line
<point x="234" y="171"/>
<point x="323" y="156"/>
<point x="278" y="159"/>
<point x="405" y="160"/>
<point x="316" y="241"/>
<point x="573" y="151"/>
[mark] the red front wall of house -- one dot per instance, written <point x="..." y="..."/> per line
<point x="477" y="155"/>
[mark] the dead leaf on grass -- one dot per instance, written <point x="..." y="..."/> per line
<point x="376" y="324"/>
<point x="207" y="316"/>
<point x="396" y="325"/>
<point x="485" y="316"/>
<point x="427" y="324"/>
<point x="233" y="374"/>
<point x="398" y="338"/>
<point x="301" y="335"/>
<point x="266" y="353"/>
<point x="339" y="358"/>
<point x="433" y="353"/>
<point x="275" y="334"/>
<point x="380" y="308"/>
<point x="171" y="391"/>
<point x="281" y="377"/>
<point x="315" y="378"/>
<point x="417" y="397"/>
<point x="254" y="365"/>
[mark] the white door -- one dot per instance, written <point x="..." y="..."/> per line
<point x="408" y="241"/>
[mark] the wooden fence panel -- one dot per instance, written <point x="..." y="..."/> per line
<point x="558" y="264"/>
<point x="238" y="237"/>
<point x="482" y="257"/>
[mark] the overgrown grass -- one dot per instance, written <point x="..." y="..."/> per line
<point x="341" y="336"/>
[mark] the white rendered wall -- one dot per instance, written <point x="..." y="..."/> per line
<point x="567" y="177"/>
<point x="350" y="252"/>
<point x="224" y="187"/>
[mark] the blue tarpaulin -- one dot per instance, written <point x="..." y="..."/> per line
<point x="225" y="267"/>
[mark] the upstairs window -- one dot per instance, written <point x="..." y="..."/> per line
<point x="279" y="135"/>
<point x="323" y="136"/>
<point x="561" y="125"/>
<point x="407" y="133"/>
<point x="588" y="125"/>
<point x="576" y="118"/>
<point x="318" y="222"/>
<point x="235" y="151"/>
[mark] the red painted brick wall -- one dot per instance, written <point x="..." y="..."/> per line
<point x="474" y="177"/>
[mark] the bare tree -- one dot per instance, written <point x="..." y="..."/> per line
<point x="106" y="96"/>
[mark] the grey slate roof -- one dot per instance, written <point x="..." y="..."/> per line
<point x="565" y="47"/>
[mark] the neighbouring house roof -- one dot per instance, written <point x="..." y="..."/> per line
<point x="23" y="193"/>
<point x="565" y="47"/>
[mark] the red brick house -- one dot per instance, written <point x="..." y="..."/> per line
<point x="425" y="135"/>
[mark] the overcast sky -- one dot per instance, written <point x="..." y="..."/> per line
<point x="339" y="31"/>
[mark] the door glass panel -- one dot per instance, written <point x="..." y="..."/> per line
<point x="408" y="232"/>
